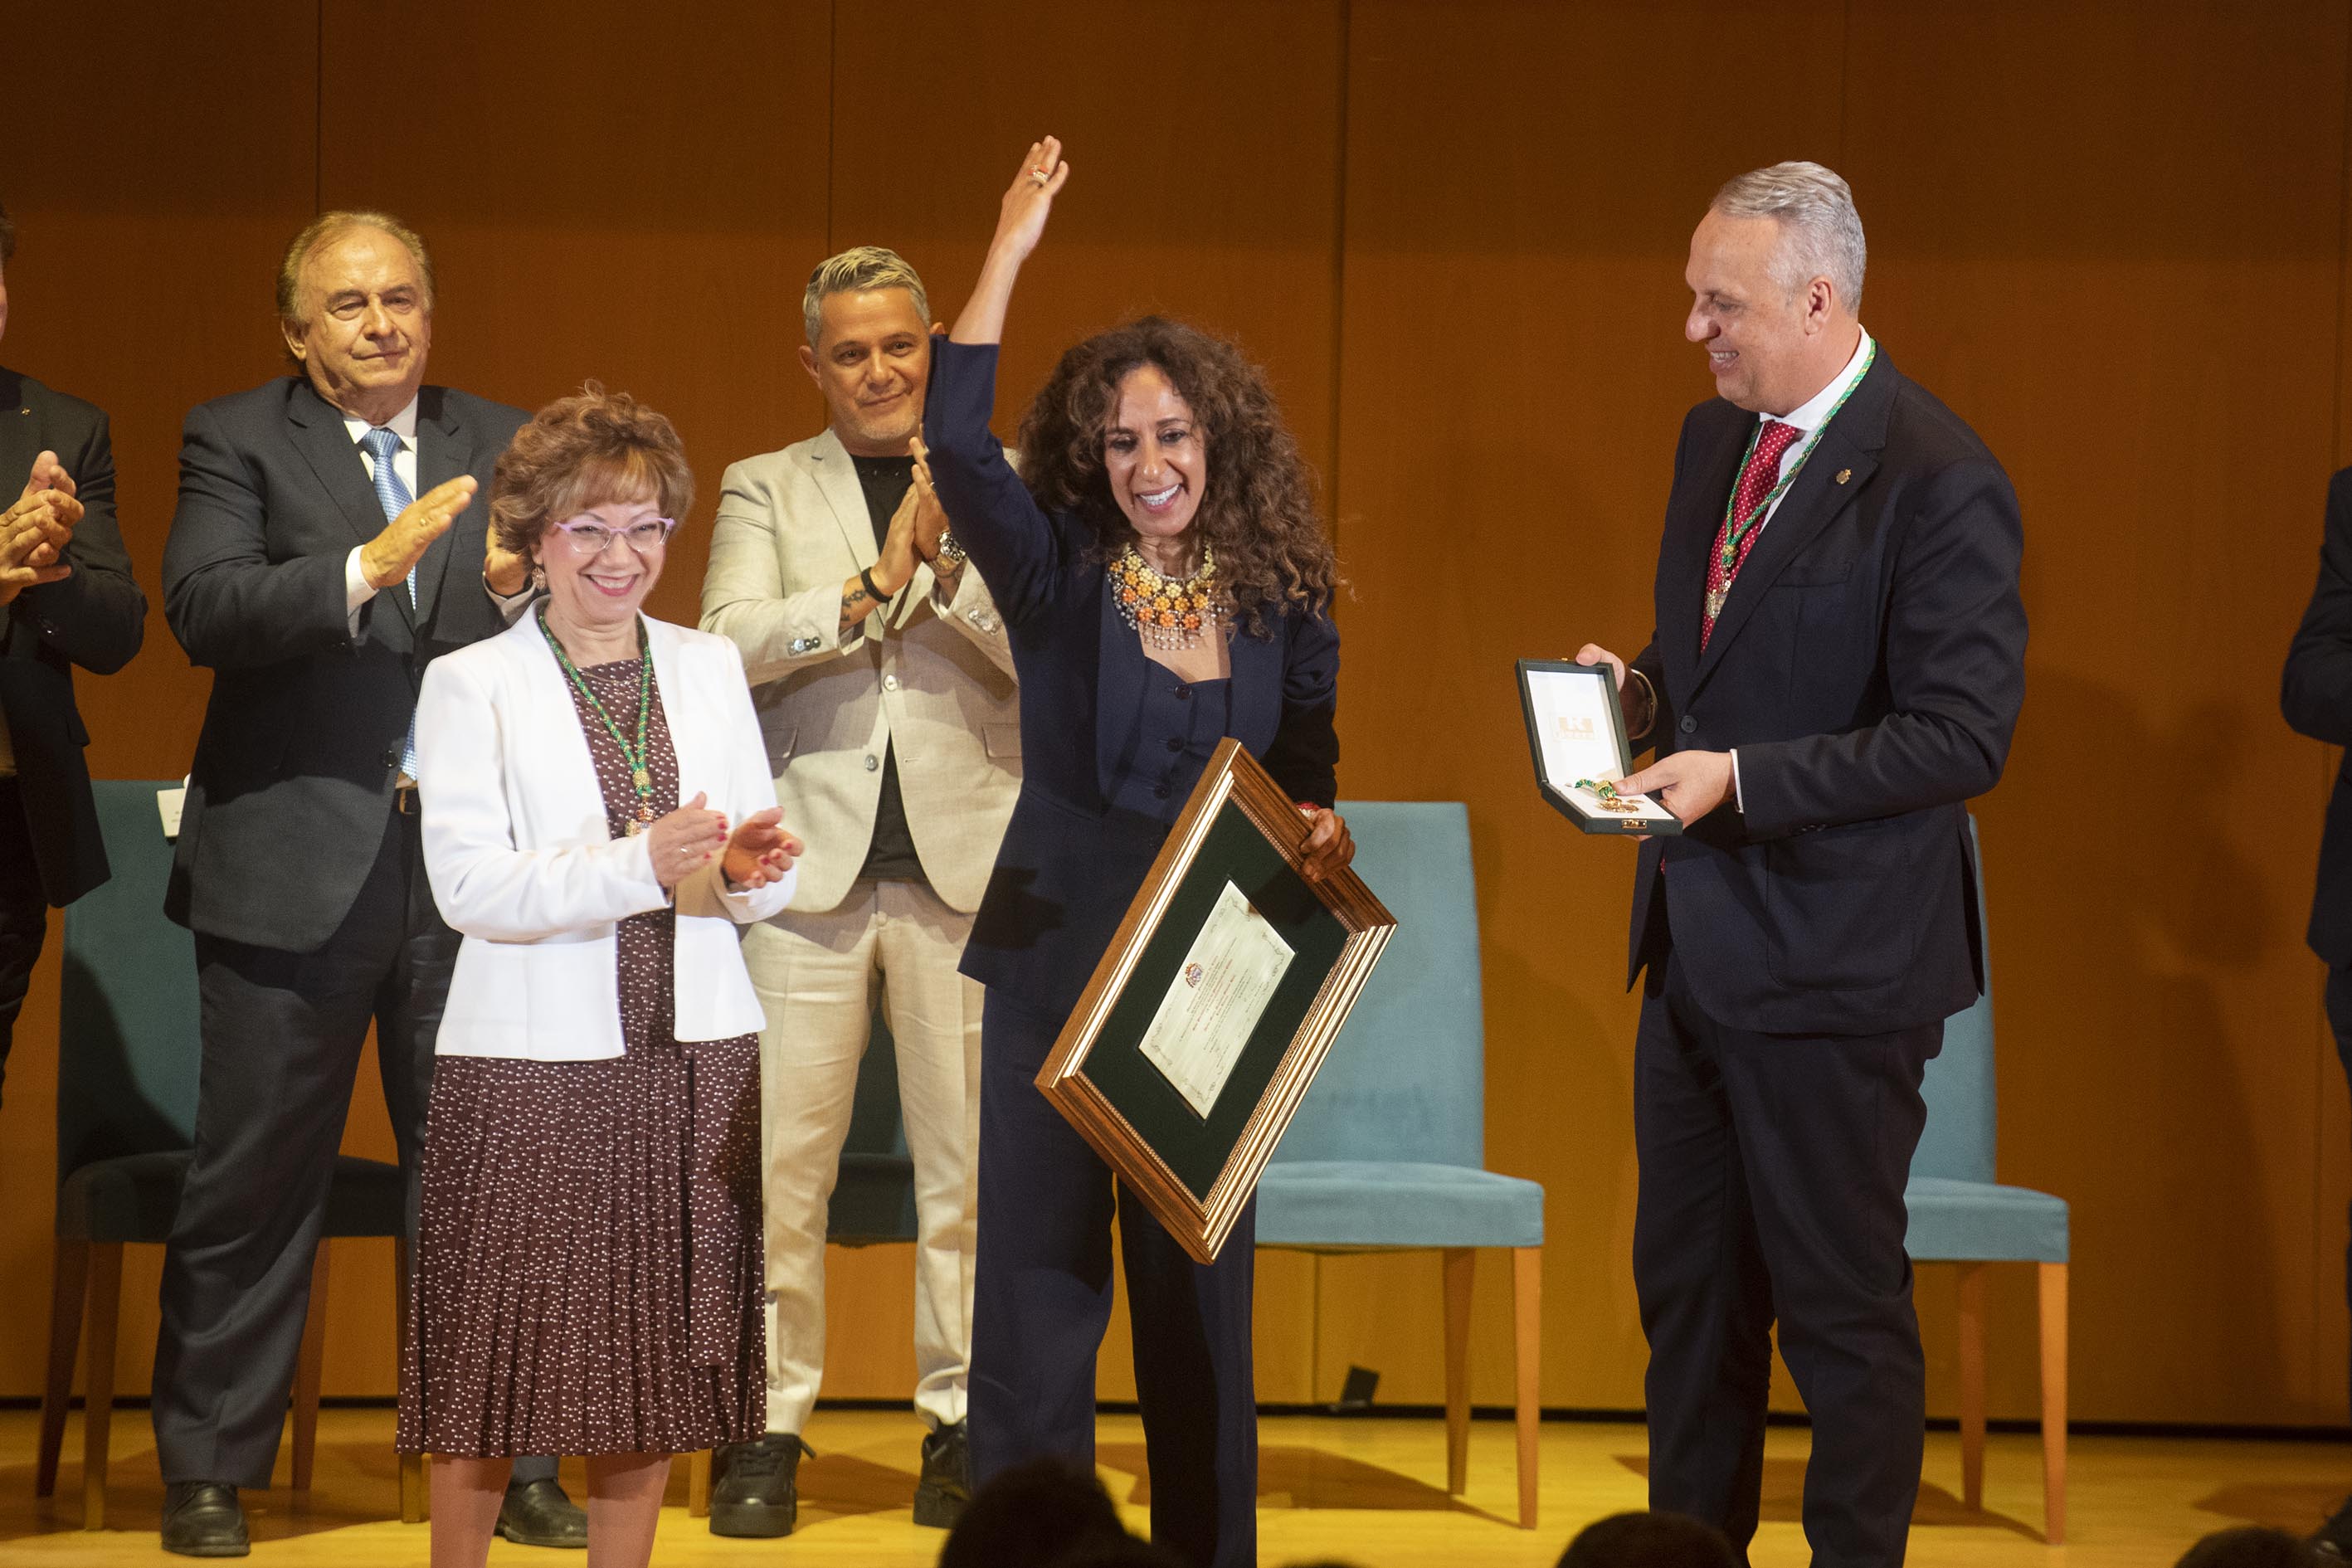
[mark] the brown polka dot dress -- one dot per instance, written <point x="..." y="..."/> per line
<point x="588" y="1272"/>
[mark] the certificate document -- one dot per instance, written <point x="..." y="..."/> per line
<point x="1228" y="976"/>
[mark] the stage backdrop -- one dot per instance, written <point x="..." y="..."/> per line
<point x="2111" y="236"/>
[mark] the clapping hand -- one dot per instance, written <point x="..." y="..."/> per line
<point x="760" y="852"/>
<point x="685" y="840"/>
<point x="389" y="557"/>
<point x="35" y="532"/>
<point x="931" y="517"/>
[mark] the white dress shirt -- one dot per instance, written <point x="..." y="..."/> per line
<point x="357" y="590"/>
<point x="1807" y="417"/>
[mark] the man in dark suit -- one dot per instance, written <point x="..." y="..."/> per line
<point x="323" y="552"/>
<point x="1837" y="667"/>
<point x="2316" y="696"/>
<point x="67" y="597"/>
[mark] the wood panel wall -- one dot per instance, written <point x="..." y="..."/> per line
<point x="2111" y="234"/>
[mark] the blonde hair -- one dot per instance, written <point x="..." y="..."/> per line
<point x="324" y="230"/>
<point x="854" y="271"/>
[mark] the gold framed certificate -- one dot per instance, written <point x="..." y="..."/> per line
<point x="1214" y="1005"/>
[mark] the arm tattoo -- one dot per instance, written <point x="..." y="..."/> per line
<point x="853" y="606"/>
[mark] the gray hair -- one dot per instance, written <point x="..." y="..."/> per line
<point x="1821" y="230"/>
<point x="854" y="271"/>
<point x="324" y="230"/>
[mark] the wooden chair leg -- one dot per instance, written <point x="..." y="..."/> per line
<point x="1526" y="1335"/>
<point x="415" y="1490"/>
<point x="697" y="1484"/>
<point x="308" y="1367"/>
<point x="2053" y="1402"/>
<point x="105" y="1305"/>
<point x="1972" y="1384"/>
<point x="68" y="1282"/>
<point x="1461" y="1266"/>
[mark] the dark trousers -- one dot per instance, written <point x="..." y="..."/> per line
<point x="282" y="1037"/>
<point x="1772" y="1169"/>
<point x="2339" y="1018"/>
<point x="23" y="913"/>
<point x="1043" y="1298"/>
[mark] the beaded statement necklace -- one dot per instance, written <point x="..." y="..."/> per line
<point x="1169" y="613"/>
<point x="1736" y="529"/>
<point x="641" y="778"/>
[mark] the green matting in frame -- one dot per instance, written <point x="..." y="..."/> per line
<point x="1226" y="936"/>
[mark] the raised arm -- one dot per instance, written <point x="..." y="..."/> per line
<point x="1020" y="224"/>
<point x="97" y="616"/>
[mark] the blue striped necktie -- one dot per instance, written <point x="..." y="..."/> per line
<point x="393" y="497"/>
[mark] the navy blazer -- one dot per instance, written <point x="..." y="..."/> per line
<point x="2315" y="693"/>
<point x="94" y="618"/>
<point x="301" y="742"/>
<point x="1070" y="864"/>
<point x="1868" y="667"/>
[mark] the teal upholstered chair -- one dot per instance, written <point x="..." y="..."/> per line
<point x="1961" y="1215"/>
<point x="127" y="1061"/>
<point x="1387" y="1152"/>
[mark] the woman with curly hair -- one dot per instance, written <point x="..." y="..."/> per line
<point x="598" y="819"/>
<point x="1166" y="583"/>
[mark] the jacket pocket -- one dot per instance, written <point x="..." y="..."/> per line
<point x="1840" y="912"/>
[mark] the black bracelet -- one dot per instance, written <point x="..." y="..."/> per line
<point x="865" y="581"/>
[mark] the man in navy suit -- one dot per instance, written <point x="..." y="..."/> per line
<point x="1837" y="667"/>
<point x="66" y="598"/>
<point x="323" y="552"/>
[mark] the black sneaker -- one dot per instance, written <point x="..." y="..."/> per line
<point x="755" y="1491"/>
<point x="2335" y="1538"/>
<point x="946" y="1485"/>
<point x="203" y="1519"/>
<point x="538" y="1513"/>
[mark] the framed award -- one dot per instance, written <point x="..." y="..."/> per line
<point x="1576" y="731"/>
<point x="1216" y="1004"/>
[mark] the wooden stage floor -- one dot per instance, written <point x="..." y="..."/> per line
<point x="1369" y="1492"/>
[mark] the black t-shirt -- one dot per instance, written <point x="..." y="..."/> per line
<point x="891" y="856"/>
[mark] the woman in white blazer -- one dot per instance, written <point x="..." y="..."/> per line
<point x="598" y="819"/>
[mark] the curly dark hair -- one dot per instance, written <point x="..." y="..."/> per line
<point x="1258" y="510"/>
<point x="580" y="451"/>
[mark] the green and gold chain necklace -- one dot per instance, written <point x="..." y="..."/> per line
<point x="641" y="778"/>
<point x="1736" y="530"/>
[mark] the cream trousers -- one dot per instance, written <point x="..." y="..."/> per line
<point x="816" y="976"/>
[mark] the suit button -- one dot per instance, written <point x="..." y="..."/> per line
<point x="872" y="762"/>
<point x="1174" y="744"/>
<point x="889" y="683"/>
<point x="1183" y="694"/>
<point x="1160" y="792"/>
<point x="1689" y="724"/>
<point x="391" y="757"/>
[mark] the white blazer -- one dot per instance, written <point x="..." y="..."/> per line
<point x="521" y="862"/>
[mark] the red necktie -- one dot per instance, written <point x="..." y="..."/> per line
<point x="1756" y="482"/>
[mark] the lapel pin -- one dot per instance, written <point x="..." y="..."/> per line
<point x="1844" y="475"/>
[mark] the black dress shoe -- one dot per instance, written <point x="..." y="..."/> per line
<point x="756" y="1492"/>
<point x="537" y="1513"/>
<point x="202" y="1518"/>
<point x="946" y="1485"/>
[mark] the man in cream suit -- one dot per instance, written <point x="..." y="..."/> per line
<point x="884" y="684"/>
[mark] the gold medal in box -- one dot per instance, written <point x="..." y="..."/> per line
<point x="1576" y="733"/>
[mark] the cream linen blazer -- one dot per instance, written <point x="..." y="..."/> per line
<point x="521" y="863"/>
<point x="792" y="527"/>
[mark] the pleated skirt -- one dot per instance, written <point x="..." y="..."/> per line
<point x="588" y="1275"/>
